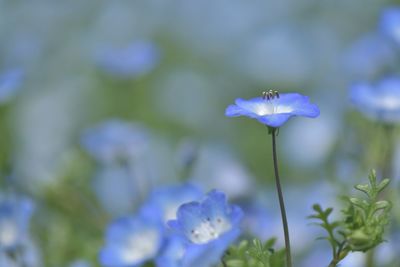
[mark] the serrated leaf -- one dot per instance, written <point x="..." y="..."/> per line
<point x="382" y="204"/>
<point x="372" y="178"/>
<point x="317" y="208"/>
<point x="364" y="188"/>
<point x="358" y="202"/>
<point x="382" y="185"/>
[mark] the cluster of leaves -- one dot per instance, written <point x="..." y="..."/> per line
<point x="364" y="221"/>
<point x="255" y="254"/>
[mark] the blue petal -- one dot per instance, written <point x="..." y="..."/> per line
<point x="233" y="111"/>
<point x="119" y="242"/>
<point x="162" y="200"/>
<point x="276" y="120"/>
<point x="189" y="215"/>
<point x="390" y="23"/>
<point x="300" y="104"/>
<point x="209" y="254"/>
<point x="215" y="205"/>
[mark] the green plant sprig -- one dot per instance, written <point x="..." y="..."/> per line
<point x="255" y="254"/>
<point x="362" y="227"/>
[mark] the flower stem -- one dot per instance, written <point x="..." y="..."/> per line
<point x="280" y="196"/>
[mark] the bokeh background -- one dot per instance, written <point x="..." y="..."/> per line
<point x="158" y="75"/>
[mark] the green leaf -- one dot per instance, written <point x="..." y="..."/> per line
<point x="382" y="185"/>
<point x="254" y="254"/>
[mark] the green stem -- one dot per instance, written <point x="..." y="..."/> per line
<point x="281" y="202"/>
<point x="341" y="254"/>
<point x="386" y="169"/>
<point x="387" y="163"/>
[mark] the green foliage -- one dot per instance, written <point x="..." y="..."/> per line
<point x="362" y="227"/>
<point x="365" y="219"/>
<point x="256" y="254"/>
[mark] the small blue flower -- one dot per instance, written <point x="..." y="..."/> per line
<point x="207" y="227"/>
<point x="137" y="59"/>
<point x="390" y="23"/>
<point x="10" y="83"/>
<point x="131" y="241"/>
<point x="379" y="101"/>
<point x="165" y="201"/>
<point x="15" y="214"/>
<point x="276" y="111"/>
<point x="115" y="140"/>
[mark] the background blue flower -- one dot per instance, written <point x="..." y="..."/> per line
<point x="115" y="141"/>
<point x="378" y="101"/>
<point x="165" y="201"/>
<point x="131" y="61"/>
<point x="274" y="112"/>
<point x="131" y="241"/>
<point x="10" y="82"/>
<point x="15" y="214"/>
<point x="390" y="23"/>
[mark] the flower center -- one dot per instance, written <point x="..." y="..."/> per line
<point x="8" y="233"/>
<point x="389" y="102"/>
<point x="268" y="108"/>
<point x="140" y="246"/>
<point x="209" y="230"/>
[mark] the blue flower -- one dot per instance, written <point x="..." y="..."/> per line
<point x="15" y="239"/>
<point x="276" y="111"/>
<point x="370" y="55"/>
<point x="131" y="241"/>
<point x="378" y="101"/>
<point x="137" y="59"/>
<point x="207" y="227"/>
<point x="10" y="83"/>
<point x="115" y="140"/>
<point x="390" y="23"/>
<point x="15" y="214"/>
<point x="165" y="201"/>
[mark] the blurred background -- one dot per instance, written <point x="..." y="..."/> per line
<point x="103" y="101"/>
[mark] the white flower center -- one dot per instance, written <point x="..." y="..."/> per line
<point x="8" y="233"/>
<point x="269" y="108"/>
<point x="140" y="246"/>
<point x="389" y="102"/>
<point x="209" y="230"/>
<point x="170" y="212"/>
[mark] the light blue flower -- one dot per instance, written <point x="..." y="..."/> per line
<point x="131" y="241"/>
<point x="207" y="227"/>
<point x="15" y="239"/>
<point x="165" y="201"/>
<point x="370" y="56"/>
<point x="390" y="23"/>
<point x="217" y="167"/>
<point x="132" y="61"/>
<point x="10" y="83"/>
<point x="115" y="140"/>
<point x="378" y="101"/>
<point x="276" y="111"/>
<point x="15" y="214"/>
